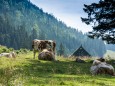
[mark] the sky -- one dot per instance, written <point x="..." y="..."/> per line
<point x="68" y="11"/>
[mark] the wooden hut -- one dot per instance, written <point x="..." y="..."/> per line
<point x="81" y="52"/>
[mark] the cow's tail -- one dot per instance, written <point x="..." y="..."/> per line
<point x="32" y="44"/>
<point x="54" y="47"/>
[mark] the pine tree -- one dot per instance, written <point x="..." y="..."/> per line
<point x="102" y="16"/>
<point x="34" y="34"/>
<point x="61" y="50"/>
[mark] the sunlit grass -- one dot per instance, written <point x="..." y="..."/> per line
<point x="26" y="71"/>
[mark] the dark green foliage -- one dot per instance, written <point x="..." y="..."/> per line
<point x="22" y="51"/>
<point x="21" y="22"/>
<point x="102" y="16"/>
<point x="5" y="49"/>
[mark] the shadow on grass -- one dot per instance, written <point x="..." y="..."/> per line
<point x="59" y="67"/>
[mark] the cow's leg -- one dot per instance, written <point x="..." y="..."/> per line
<point x="34" y="53"/>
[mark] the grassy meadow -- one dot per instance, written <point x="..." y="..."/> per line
<point x="26" y="71"/>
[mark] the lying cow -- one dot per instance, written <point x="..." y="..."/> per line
<point x="46" y="54"/>
<point x="101" y="67"/>
<point x="39" y="45"/>
<point x="8" y="55"/>
<point x="79" y="60"/>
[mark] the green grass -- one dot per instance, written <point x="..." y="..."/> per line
<point x="26" y="71"/>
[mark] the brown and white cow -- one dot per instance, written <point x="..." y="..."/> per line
<point x="46" y="54"/>
<point x="39" y="45"/>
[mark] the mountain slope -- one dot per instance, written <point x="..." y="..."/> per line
<point x="21" y="22"/>
<point x="110" y="47"/>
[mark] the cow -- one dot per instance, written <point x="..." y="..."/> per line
<point x="99" y="66"/>
<point x="39" y="45"/>
<point x="8" y="55"/>
<point x="46" y="54"/>
<point x="79" y="60"/>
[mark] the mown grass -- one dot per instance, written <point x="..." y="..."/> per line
<point x="26" y="71"/>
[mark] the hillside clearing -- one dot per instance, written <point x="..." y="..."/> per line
<point x="110" y="54"/>
<point x="26" y="71"/>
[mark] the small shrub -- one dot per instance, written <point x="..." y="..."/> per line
<point x="11" y="49"/>
<point x="4" y="49"/>
<point x="17" y="51"/>
<point x="22" y="51"/>
<point x="62" y="83"/>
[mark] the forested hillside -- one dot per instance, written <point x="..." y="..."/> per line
<point x="21" y="22"/>
<point x="110" y="47"/>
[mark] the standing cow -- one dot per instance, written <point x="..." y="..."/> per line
<point x="39" y="45"/>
